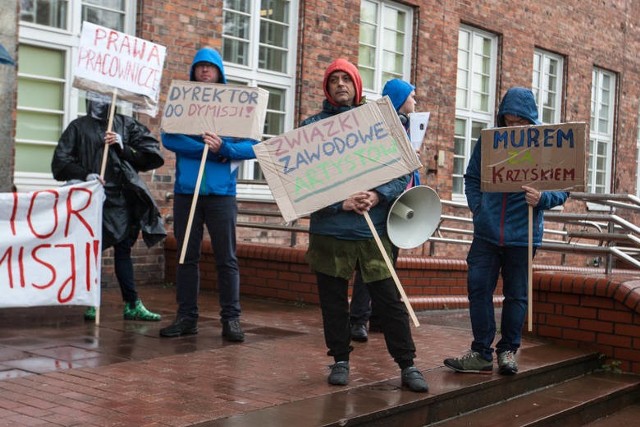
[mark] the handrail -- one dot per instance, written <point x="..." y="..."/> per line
<point x="602" y="234"/>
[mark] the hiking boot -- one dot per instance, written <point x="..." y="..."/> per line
<point x="139" y="312"/>
<point x="232" y="332"/>
<point x="339" y="373"/>
<point x="470" y="362"/>
<point x="180" y="326"/>
<point x="507" y="364"/>
<point x="412" y="379"/>
<point x="90" y="313"/>
<point x="359" y="332"/>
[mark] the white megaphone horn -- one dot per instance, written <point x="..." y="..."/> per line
<point x="413" y="217"/>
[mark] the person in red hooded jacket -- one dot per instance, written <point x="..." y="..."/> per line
<point x="340" y="242"/>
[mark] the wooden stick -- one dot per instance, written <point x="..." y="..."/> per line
<point x="391" y="269"/>
<point x="194" y="202"/>
<point x="530" y="272"/>
<point x="105" y="153"/>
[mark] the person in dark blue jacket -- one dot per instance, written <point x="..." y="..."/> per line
<point x="500" y="246"/>
<point x="361" y="311"/>
<point x="216" y="208"/>
<point x="340" y="242"/>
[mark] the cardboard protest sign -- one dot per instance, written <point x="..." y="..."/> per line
<point x="325" y="162"/>
<point x="50" y="246"/>
<point x="545" y="157"/>
<point x="109" y="59"/>
<point x="228" y="110"/>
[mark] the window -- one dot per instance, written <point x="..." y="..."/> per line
<point x="385" y="44"/>
<point x="258" y="49"/>
<point x="603" y="88"/>
<point x="50" y="13"/>
<point x="547" y="85"/>
<point x="48" y="34"/>
<point x="475" y="97"/>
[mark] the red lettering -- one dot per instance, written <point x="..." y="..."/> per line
<point x="34" y="256"/>
<point x="54" y="210"/>
<point x="76" y="211"/>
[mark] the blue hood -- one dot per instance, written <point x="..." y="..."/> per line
<point x="398" y="91"/>
<point x="207" y="54"/>
<point x="520" y="102"/>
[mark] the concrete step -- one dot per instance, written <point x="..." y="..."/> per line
<point x="570" y="403"/>
<point x="451" y="394"/>
<point x="628" y="416"/>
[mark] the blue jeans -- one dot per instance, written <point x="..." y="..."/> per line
<point x="485" y="262"/>
<point x="219" y="214"/>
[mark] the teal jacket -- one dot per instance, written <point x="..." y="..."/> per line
<point x="503" y="218"/>
<point x="220" y="171"/>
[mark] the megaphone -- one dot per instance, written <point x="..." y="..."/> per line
<point x="413" y="217"/>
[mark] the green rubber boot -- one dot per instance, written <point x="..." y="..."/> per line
<point x="139" y="312"/>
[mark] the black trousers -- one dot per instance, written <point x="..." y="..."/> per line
<point x="394" y="318"/>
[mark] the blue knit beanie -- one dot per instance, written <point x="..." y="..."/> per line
<point x="398" y="90"/>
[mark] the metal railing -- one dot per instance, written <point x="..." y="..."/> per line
<point x="600" y="232"/>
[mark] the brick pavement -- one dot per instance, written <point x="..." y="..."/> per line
<point x="58" y="370"/>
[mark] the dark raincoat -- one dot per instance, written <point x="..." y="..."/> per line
<point x="129" y="206"/>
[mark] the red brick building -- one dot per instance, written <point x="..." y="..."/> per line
<point x="579" y="56"/>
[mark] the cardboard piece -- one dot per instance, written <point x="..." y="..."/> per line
<point x="108" y="59"/>
<point x="314" y="166"/>
<point x="228" y="110"/>
<point x="545" y="157"/>
<point x="418" y="123"/>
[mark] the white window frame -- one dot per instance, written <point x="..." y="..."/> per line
<point x="541" y="86"/>
<point x="66" y="40"/>
<point x="467" y="112"/>
<point x="378" y="82"/>
<point x="253" y="76"/>
<point x="599" y="138"/>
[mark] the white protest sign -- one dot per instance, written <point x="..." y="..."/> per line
<point x="50" y="246"/>
<point x="325" y="162"/>
<point x="109" y="59"/>
<point x="545" y="157"/>
<point x="228" y="110"/>
<point x="418" y="123"/>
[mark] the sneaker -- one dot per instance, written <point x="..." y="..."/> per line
<point x="470" y="362"/>
<point x="139" y="312"/>
<point x="412" y="379"/>
<point x="339" y="373"/>
<point x="180" y="326"/>
<point x="231" y="331"/>
<point x="507" y="364"/>
<point x="90" y="313"/>
<point x="359" y="332"/>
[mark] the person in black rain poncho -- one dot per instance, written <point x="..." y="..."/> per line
<point x="129" y="206"/>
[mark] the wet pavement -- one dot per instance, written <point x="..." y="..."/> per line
<point x="56" y="369"/>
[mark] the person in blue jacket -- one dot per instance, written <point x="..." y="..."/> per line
<point x="340" y="242"/>
<point x="216" y="208"/>
<point x="500" y="246"/>
<point x="402" y="95"/>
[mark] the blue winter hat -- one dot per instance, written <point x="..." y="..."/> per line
<point x="398" y="90"/>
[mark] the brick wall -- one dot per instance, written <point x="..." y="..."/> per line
<point x="593" y="311"/>
<point x="282" y="273"/>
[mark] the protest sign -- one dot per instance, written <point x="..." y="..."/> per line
<point x="418" y="123"/>
<point x="108" y="59"/>
<point x="545" y="157"/>
<point x="228" y="110"/>
<point x="50" y="246"/>
<point x="325" y="162"/>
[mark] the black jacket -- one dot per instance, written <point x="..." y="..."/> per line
<point x="129" y="206"/>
